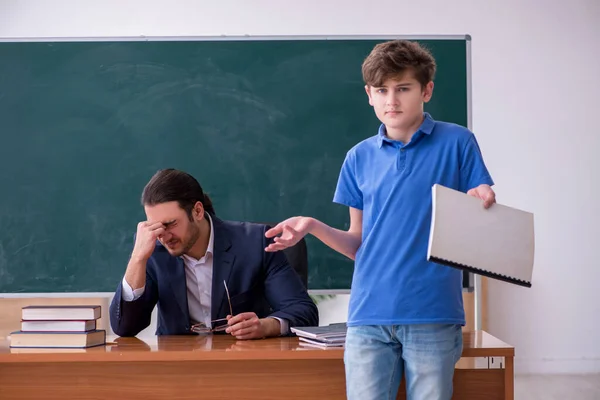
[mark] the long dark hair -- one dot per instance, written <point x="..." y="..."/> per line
<point x="174" y="185"/>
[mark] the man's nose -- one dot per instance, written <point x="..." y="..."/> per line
<point x="165" y="237"/>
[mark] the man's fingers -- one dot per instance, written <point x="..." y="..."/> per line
<point x="156" y="225"/>
<point x="239" y="325"/>
<point x="243" y="327"/>
<point x="251" y="331"/>
<point x="241" y="317"/>
<point x="248" y="337"/>
<point x="244" y="331"/>
<point x="157" y="233"/>
<point x="155" y="228"/>
<point x="235" y="320"/>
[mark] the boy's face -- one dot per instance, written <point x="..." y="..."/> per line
<point x="398" y="103"/>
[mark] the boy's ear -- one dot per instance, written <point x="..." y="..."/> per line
<point x="368" y="90"/>
<point x="428" y="92"/>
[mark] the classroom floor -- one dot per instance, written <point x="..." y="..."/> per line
<point x="555" y="387"/>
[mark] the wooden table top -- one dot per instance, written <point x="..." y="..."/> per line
<point x="218" y="347"/>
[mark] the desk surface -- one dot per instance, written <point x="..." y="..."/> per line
<point x="219" y="347"/>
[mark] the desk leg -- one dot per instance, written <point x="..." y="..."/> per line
<point x="509" y="378"/>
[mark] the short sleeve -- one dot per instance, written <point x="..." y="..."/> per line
<point x="347" y="191"/>
<point x="473" y="171"/>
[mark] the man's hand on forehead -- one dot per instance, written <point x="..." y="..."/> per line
<point x="161" y="224"/>
<point x="147" y="233"/>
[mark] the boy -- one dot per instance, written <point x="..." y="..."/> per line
<point x="405" y="313"/>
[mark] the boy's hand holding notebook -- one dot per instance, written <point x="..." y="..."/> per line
<point x="497" y="242"/>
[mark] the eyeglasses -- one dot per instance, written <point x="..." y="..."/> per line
<point x="201" y="326"/>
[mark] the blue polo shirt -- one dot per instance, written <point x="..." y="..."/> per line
<point x="391" y="182"/>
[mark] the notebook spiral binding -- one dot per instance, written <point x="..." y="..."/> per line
<point x="474" y="270"/>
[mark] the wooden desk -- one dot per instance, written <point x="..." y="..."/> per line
<point x="219" y="367"/>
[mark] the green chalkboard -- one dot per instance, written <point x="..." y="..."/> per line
<point x="262" y="124"/>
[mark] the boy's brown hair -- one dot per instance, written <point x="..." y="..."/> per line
<point x="392" y="59"/>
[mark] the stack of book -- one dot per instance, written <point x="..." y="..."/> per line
<point x="333" y="335"/>
<point x="59" y="327"/>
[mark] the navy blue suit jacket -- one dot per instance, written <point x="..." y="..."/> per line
<point x="258" y="281"/>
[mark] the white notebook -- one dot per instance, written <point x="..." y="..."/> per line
<point x="497" y="242"/>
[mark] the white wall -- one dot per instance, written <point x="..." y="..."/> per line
<point x="535" y="95"/>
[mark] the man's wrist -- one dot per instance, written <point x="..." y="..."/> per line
<point x="272" y="327"/>
<point x="138" y="259"/>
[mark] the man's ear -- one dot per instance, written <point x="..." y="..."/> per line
<point x="368" y="90"/>
<point x="198" y="211"/>
<point x="428" y="92"/>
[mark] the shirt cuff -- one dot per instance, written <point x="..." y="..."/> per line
<point x="285" y="325"/>
<point x="128" y="294"/>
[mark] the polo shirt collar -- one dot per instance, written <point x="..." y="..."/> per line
<point x="426" y="127"/>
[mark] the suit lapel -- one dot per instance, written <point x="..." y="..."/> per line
<point x="222" y="265"/>
<point x="176" y="269"/>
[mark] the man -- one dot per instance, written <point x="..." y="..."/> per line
<point x="405" y="313"/>
<point x="203" y="271"/>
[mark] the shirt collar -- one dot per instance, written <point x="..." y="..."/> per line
<point x="211" y="242"/>
<point x="426" y="127"/>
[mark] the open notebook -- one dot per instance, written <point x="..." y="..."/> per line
<point x="497" y="242"/>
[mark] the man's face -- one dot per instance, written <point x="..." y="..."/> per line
<point x="180" y="233"/>
<point x="398" y="102"/>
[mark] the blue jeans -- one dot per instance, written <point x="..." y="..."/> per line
<point x="376" y="357"/>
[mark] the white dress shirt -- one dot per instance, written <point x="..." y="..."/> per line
<point x="198" y="277"/>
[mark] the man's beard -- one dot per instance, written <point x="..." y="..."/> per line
<point x="194" y="235"/>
